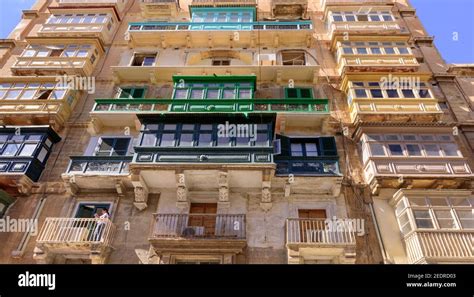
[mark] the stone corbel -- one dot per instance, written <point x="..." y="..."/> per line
<point x="223" y="190"/>
<point x="210" y="42"/>
<point x="276" y="41"/>
<point x="266" y="201"/>
<point x="163" y="41"/>
<point x="181" y="191"/>
<point x="153" y="78"/>
<point x="253" y="40"/>
<point x="279" y="76"/>
<point x="70" y="184"/>
<point x="188" y="41"/>
<point x="24" y="185"/>
<point x="95" y="126"/>
<point x="120" y="187"/>
<point x="141" y="193"/>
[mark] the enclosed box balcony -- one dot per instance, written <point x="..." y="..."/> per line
<point x="221" y="34"/>
<point x="312" y="239"/>
<point x="38" y="102"/>
<point x="75" y="238"/>
<point x="98" y="22"/>
<point x="159" y="8"/>
<point x="374" y="56"/>
<point x="405" y="99"/>
<point x="56" y="56"/>
<point x="413" y="160"/>
<point x="223" y="3"/>
<point x="119" y="5"/>
<point x="24" y="151"/>
<point x="191" y="234"/>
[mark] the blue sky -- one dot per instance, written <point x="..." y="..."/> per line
<point x="444" y="19"/>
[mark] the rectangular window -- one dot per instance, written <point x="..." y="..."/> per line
<point x="377" y="149"/>
<point x="28" y="149"/>
<point x="450" y="150"/>
<point x="296" y="93"/>
<point x="290" y="58"/>
<point x="466" y="217"/>
<point x="445" y="219"/>
<point x="423" y="219"/>
<point x="143" y="60"/>
<point x="395" y="149"/>
<point x="112" y="146"/>
<point x="167" y="139"/>
<point x="413" y="150"/>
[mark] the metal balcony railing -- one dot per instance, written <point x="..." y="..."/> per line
<point x="317" y="232"/>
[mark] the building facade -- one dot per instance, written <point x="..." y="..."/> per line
<point x="233" y="132"/>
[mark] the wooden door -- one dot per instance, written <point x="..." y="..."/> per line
<point x="309" y="227"/>
<point x="203" y="215"/>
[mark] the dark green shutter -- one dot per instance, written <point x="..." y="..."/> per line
<point x="328" y="146"/>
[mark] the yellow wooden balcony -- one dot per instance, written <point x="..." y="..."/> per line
<point x="56" y="56"/>
<point x="38" y="102"/>
<point x="368" y="28"/>
<point x="357" y="63"/>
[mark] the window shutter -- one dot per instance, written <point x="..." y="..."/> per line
<point x="328" y="146"/>
<point x="284" y="145"/>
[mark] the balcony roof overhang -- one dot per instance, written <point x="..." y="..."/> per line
<point x="40" y="40"/>
<point x="85" y="9"/>
<point x="441" y="193"/>
<point x="349" y="6"/>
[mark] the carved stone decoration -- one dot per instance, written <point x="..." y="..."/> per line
<point x="223" y="182"/>
<point x="141" y="197"/>
<point x="181" y="191"/>
<point x="266" y="201"/>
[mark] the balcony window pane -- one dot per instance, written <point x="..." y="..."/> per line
<point x="228" y="94"/>
<point x="167" y="139"/>
<point x="28" y="94"/>
<point x="29" y="53"/>
<point x="186" y="139"/>
<point x="405" y="225"/>
<point x="169" y="127"/>
<point x="42" y="53"/>
<point x="212" y="94"/>
<point x="13" y="94"/>
<point x="392" y="137"/>
<point x="58" y="94"/>
<point x="347" y="50"/>
<point x="350" y="18"/>
<point x="450" y="150"/>
<point x="360" y="93"/>
<point x="362" y="51"/>
<point x="423" y="219"/>
<point x="438" y="201"/>
<point x="395" y="149"/>
<point x="10" y="149"/>
<point x="221" y="17"/>
<point x="392" y="93"/>
<point x="459" y="202"/>
<point x="180" y="94"/>
<point x="389" y="50"/>
<point x="408" y="93"/>
<point x="262" y="139"/>
<point x="28" y="150"/>
<point x="387" y="17"/>
<point x="148" y="61"/>
<point x="376" y="93"/>
<point x="362" y="17"/>
<point x="148" y="139"/>
<point x="377" y="149"/>
<point x="374" y="18"/>
<point x="418" y="202"/>
<point x="196" y="93"/>
<point x="445" y="219"/>
<point x="205" y="139"/>
<point x="466" y="217"/>
<point x="401" y="206"/>
<point x="431" y="150"/>
<point x="375" y="51"/>
<point x="337" y="18"/>
<point x="403" y="50"/>
<point x="245" y="94"/>
<point x="311" y="150"/>
<point x="424" y="93"/>
<point x="413" y="150"/>
<point x="82" y="53"/>
<point x="223" y="141"/>
<point x="297" y="149"/>
<point x="242" y="141"/>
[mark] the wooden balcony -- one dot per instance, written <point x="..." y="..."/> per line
<point x="206" y="233"/>
<point x="224" y="34"/>
<point x="75" y="238"/>
<point x="312" y="239"/>
<point x="326" y="3"/>
<point x="159" y="8"/>
<point x="412" y="172"/>
<point x="307" y="166"/>
<point x="363" y="28"/>
<point x="381" y="63"/>
<point x="101" y="31"/>
<point x="222" y="3"/>
<point x="117" y="4"/>
<point x="52" y="66"/>
<point x="438" y="246"/>
<point x="112" y="112"/>
<point x="395" y="110"/>
<point x="94" y="173"/>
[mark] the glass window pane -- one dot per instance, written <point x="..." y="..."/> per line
<point x="418" y="202"/>
<point x="28" y="149"/>
<point x="438" y="202"/>
<point x="404" y="221"/>
<point x="28" y="94"/>
<point x="347" y="50"/>
<point x="392" y="93"/>
<point x="376" y="93"/>
<point x="10" y="149"/>
<point x="245" y="94"/>
<point x="171" y="127"/>
<point x="450" y="149"/>
<point x="360" y="93"/>
<point x="262" y="139"/>
<point x="395" y="149"/>
<point x="212" y="94"/>
<point x="377" y="149"/>
<point x="228" y="94"/>
<point x="445" y="219"/>
<point x="431" y="150"/>
<point x="167" y="139"/>
<point x="223" y="141"/>
<point x="148" y="139"/>
<point x="311" y="150"/>
<point x="186" y="139"/>
<point x="242" y="141"/>
<point x="180" y="94"/>
<point x="361" y="50"/>
<point x="408" y="93"/>
<point x="296" y="149"/>
<point x="375" y="51"/>
<point x="389" y="50"/>
<point x="423" y="219"/>
<point x="13" y="94"/>
<point x="205" y="139"/>
<point x="459" y="202"/>
<point x="413" y="150"/>
<point x="196" y="94"/>
<point x="466" y="217"/>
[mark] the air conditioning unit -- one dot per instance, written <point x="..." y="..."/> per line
<point x="193" y="231"/>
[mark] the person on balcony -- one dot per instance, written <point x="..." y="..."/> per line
<point x="102" y="217"/>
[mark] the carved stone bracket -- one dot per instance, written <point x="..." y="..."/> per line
<point x="181" y="191"/>
<point x="223" y="190"/>
<point x="141" y="193"/>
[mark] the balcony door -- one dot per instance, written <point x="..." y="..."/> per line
<point x="311" y="229"/>
<point x="202" y="217"/>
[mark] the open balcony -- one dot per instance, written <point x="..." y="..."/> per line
<point x="56" y="56"/>
<point x="111" y="112"/>
<point x="221" y="34"/>
<point x="438" y="246"/>
<point x="75" y="238"/>
<point x="206" y="233"/>
<point x="308" y="166"/>
<point x="311" y="239"/>
<point x="97" y="173"/>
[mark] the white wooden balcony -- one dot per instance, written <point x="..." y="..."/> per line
<point x="369" y="28"/>
<point x="311" y="238"/>
<point x="219" y="3"/>
<point x="103" y="31"/>
<point x="362" y="63"/>
<point x="325" y="3"/>
<point x="52" y="65"/>
<point x="438" y="246"/>
<point x="75" y="238"/>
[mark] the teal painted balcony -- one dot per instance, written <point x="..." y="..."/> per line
<point x="122" y="112"/>
<point x="224" y="34"/>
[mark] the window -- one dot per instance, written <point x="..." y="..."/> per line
<point x="131" y="93"/>
<point x="466" y="218"/>
<point x="395" y="149"/>
<point x="445" y="219"/>
<point x="144" y="60"/>
<point x="205" y="90"/>
<point x="413" y="150"/>
<point x="28" y="149"/>
<point x="450" y="150"/>
<point x="220" y="62"/>
<point x="87" y="210"/>
<point x="109" y="146"/>
<point x="293" y="57"/>
<point x="423" y="219"/>
<point x="377" y="149"/>
<point x="294" y="93"/>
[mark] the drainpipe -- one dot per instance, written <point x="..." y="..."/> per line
<point x="379" y="236"/>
